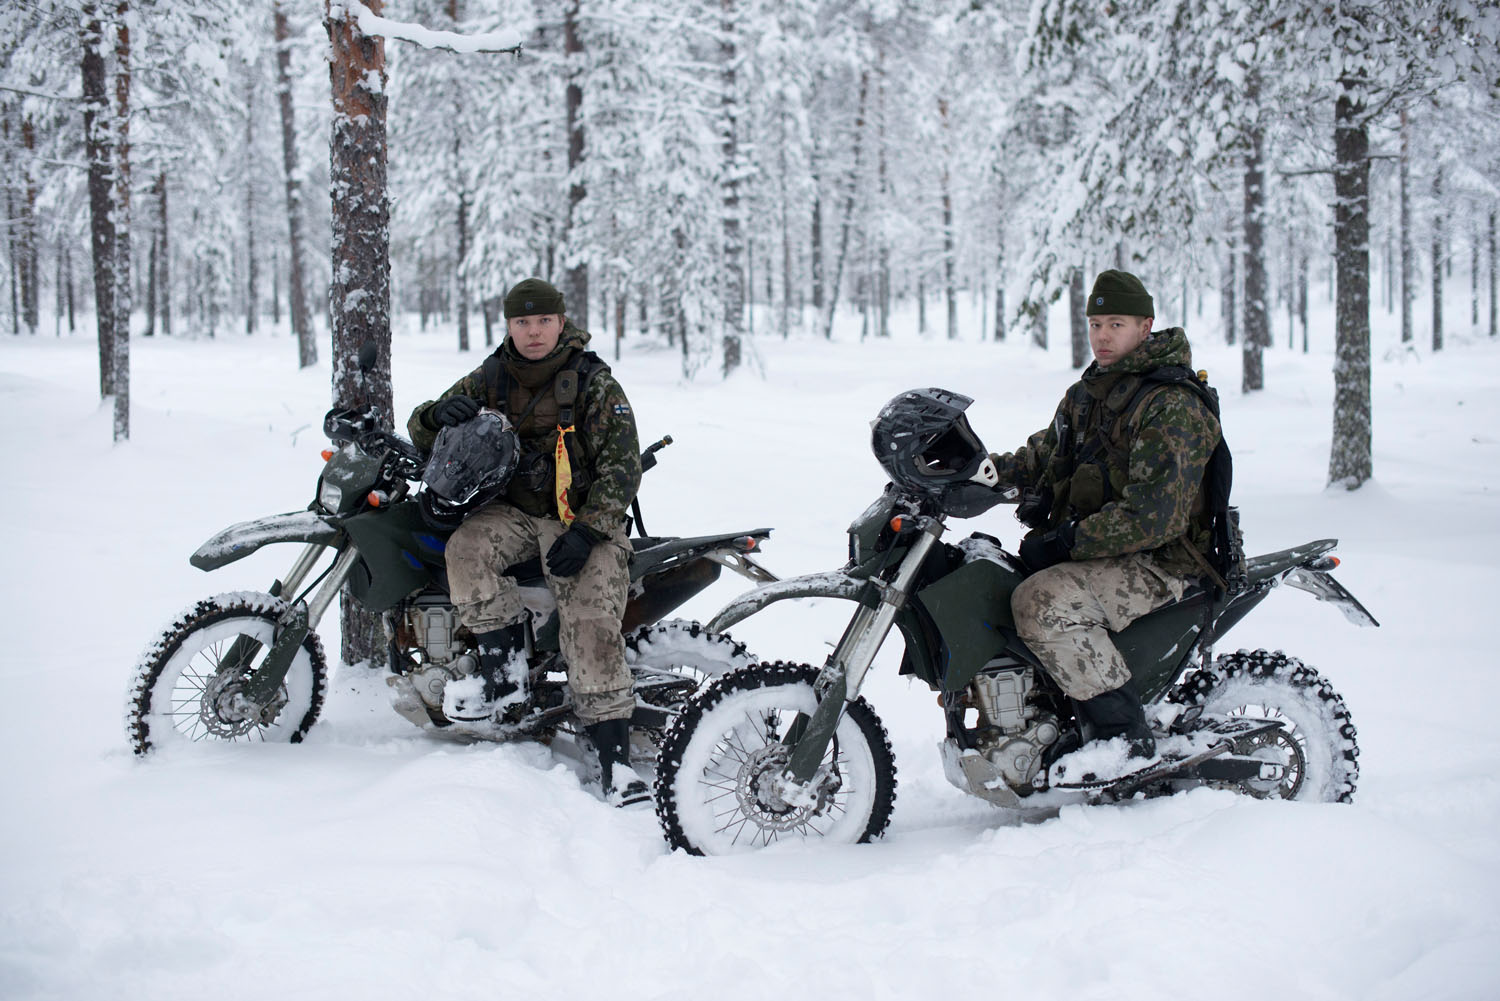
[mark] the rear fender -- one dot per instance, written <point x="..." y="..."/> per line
<point x="238" y="541"/>
<point x="1321" y="585"/>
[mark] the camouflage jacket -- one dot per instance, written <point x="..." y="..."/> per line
<point x="604" y="451"/>
<point x="1133" y="481"/>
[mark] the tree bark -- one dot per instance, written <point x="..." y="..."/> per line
<point x="849" y="196"/>
<point x="1408" y="293"/>
<point x="950" y="284"/>
<point x="576" y="269"/>
<point x="1257" y="322"/>
<point x="1438" y="233"/>
<point x="98" y="148"/>
<point x="28" y="265"/>
<point x="816" y="237"/>
<point x="164" y="261"/>
<point x="1493" y="312"/>
<point x="360" y="296"/>
<point x="1000" y="285"/>
<point x="732" y="283"/>
<point x="1350" y="460"/>
<point x="1078" y="323"/>
<point x="297" y="300"/>
<point x="1227" y="308"/>
<point x="121" y="296"/>
<point x="252" y="266"/>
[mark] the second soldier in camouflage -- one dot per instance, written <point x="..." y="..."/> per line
<point x="1113" y="492"/>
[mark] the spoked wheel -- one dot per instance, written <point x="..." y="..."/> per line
<point x="718" y="784"/>
<point x="1315" y="750"/>
<point x="188" y="685"/>
<point x="668" y="662"/>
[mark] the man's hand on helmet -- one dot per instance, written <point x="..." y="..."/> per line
<point x="455" y="410"/>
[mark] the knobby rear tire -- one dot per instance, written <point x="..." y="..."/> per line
<point x="1269" y="684"/>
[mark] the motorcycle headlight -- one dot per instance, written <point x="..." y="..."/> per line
<point x="330" y="495"/>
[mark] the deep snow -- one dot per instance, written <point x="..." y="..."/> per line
<point x="373" y="862"/>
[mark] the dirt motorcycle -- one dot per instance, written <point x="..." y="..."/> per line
<point x="785" y="751"/>
<point x="249" y="666"/>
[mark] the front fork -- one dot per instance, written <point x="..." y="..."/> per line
<point x="261" y="686"/>
<point x="839" y="682"/>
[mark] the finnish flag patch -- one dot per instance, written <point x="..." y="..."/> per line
<point x="622" y="409"/>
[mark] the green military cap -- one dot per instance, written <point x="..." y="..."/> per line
<point x="531" y="297"/>
<point x="1115" y="293"/>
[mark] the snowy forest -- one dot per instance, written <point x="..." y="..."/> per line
<point x="703" y="173"/>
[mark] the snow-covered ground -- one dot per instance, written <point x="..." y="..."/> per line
<point x="371" y="862"/>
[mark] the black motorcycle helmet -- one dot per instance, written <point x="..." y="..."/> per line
<point x="471" y="464"/>
<point x="923" y="441"/>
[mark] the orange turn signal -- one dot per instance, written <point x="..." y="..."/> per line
<point x="327" y="454"/>
<point x="1335" y="561"/>
<point x="897" y="522"/>
<point x="375" y="497"/>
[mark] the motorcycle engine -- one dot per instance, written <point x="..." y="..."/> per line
<point x="433" y="626"/>
<point x="1013" y="733"/>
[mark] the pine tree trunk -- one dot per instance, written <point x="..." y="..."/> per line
<point x="1078" y="323"/>
<point x="99" y="150"/>
<point x="121" y="296"/>
<point x="1438" y="233"/>
<point x="1474" y="278"/>
<point x="732" y="282"/>
<point x="950" y="284"/>
<point x="151" y="262"/>
<point x="575" y="285"/>
<point x="1350" y="460"/>
<point x="360" y="296"/>
<point x="297" y="299"/>
<point x="1408" y="293"/>
<point x="851" y="189"/>
<point x="818" y="292"/>
<point x="1000" y="285"/>
<point x="1493" y="312"/>
<point x="68" y="285"/>
<point x="164" y="261"/>
<point x="252" y="267"/>
<point x="1257" y="321"/>
<point x="28" y="264"/>
<point x="1227" y="308"/>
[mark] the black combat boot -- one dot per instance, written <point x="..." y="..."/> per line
<point x="1118" y="713"/>
<point x="500" y="681"/>
<point x="1104" y="717"/>
<point x="622" y="786"/>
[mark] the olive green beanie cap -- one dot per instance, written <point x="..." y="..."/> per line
<point x="532" y="297"/>
<point x="1116" y="293"/>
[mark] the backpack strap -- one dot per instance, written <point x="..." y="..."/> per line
<point x="496" y="381"/>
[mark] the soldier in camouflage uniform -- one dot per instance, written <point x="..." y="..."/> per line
<point x="568" y="501"/>
<point x="1113" y="491"/>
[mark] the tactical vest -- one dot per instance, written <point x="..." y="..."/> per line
<point x="1091" y="467"/>
<point x="538" y="415"/>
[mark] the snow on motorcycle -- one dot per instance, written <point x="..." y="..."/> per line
<point x="783" y="751"/>
<point x="249" y="666"/>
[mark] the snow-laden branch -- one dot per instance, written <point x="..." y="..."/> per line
<point x="373" y="24"/>
<point x="38" y="93"/>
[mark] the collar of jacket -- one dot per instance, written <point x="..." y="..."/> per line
<point x="540" y="372"/>
<point x="1164" y="347"/>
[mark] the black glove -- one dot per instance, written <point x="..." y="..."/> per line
<point x="969" y="500"/>
<point x="454" y="411"/>
<point x="1040" y="550"/>
<point x="570" y="552"/>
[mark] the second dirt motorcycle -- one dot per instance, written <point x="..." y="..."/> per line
<point x="783" y="751"/>
<point x="248" y="666"/>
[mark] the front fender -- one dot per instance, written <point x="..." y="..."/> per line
<point x="834" y="584"/>
<point x="238" y="541"/>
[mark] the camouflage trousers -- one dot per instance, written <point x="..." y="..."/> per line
<point x="590" y="604"/>
<point x="1065" y="613"/>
